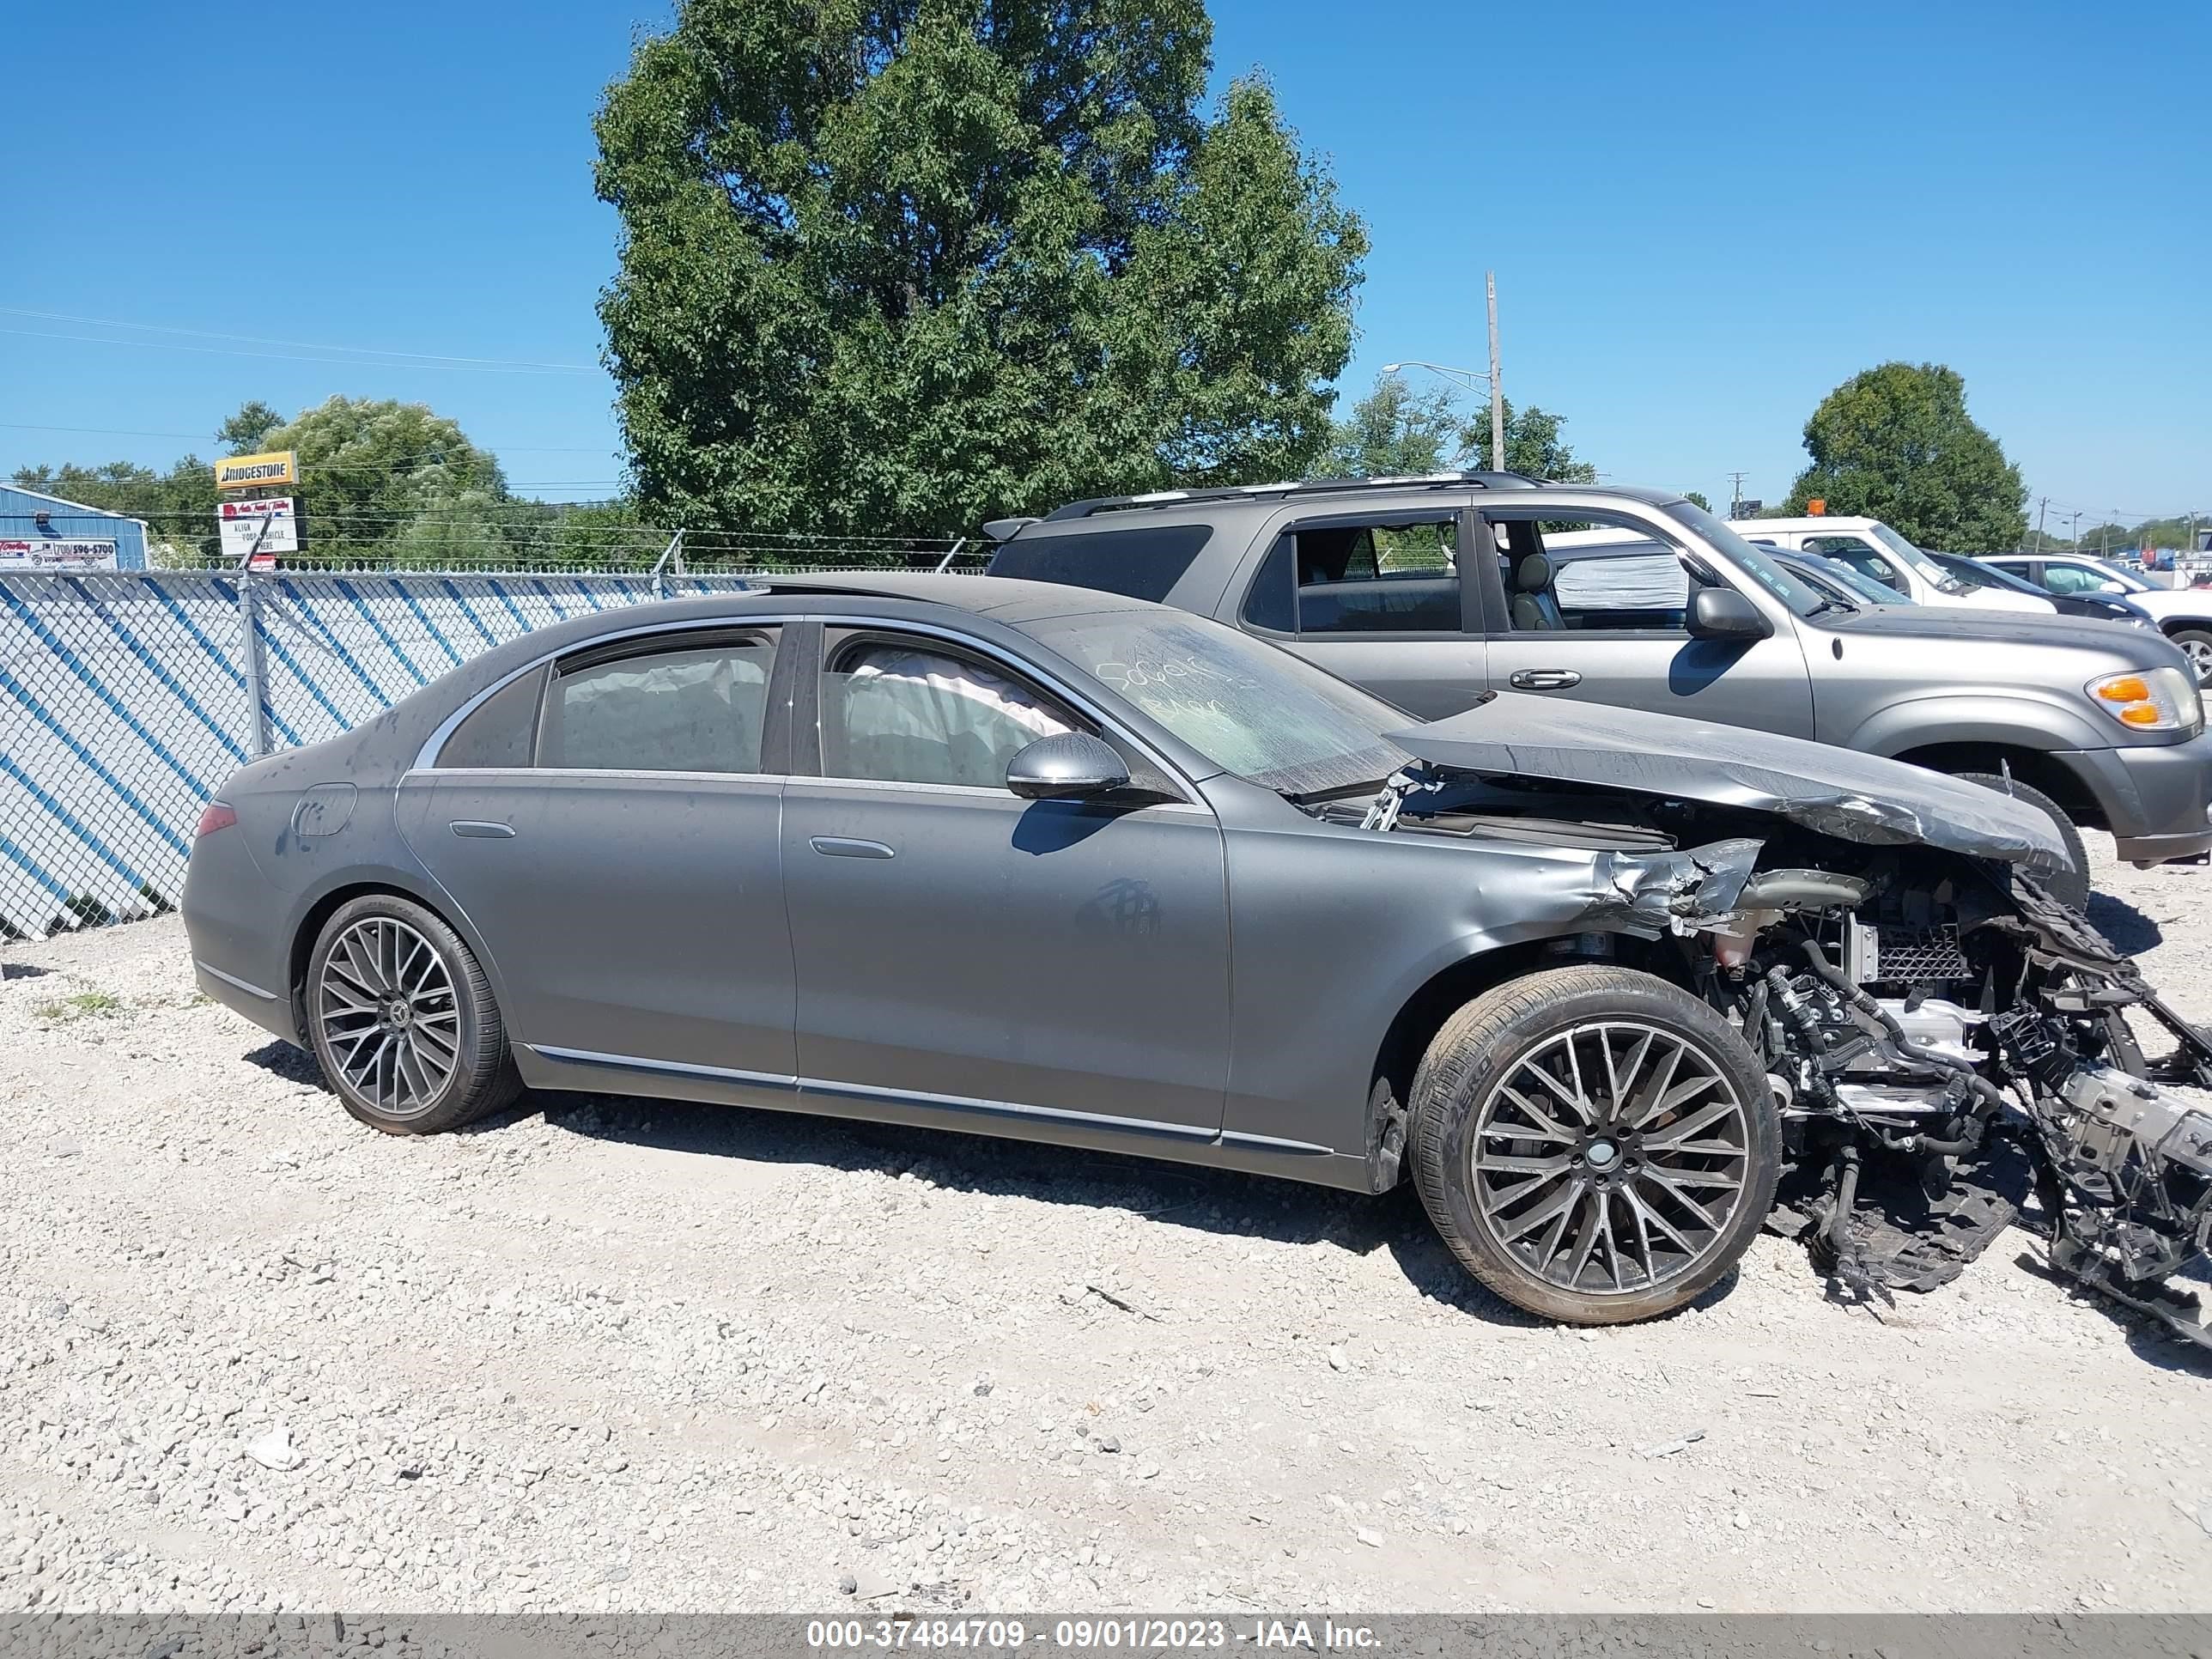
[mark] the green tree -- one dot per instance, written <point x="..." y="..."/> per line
<point x="895" y="266"/>
<point x="1394" y="430"/>
<point x="1697" y="498"/>
<point x="1896" y="443"/>
<point x="388" y="482"/>
<point x="1532" y="446"/>
<point x="242" y="434"/>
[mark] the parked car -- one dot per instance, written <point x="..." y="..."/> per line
<point x="1873" y="548"/>
<point x="1831" y="576"/>
<point x="1040" y="862"/>
<point x="1363" y="578"/>
<point x="2184" y="615"/>
<point x="2095" y="607"/>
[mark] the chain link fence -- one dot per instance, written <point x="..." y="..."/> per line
<point x="127" y="698"/>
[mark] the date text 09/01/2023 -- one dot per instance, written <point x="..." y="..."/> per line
<point x="1323" y="1636"/>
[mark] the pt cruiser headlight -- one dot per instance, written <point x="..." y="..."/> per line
<point x="2150" y="700"/>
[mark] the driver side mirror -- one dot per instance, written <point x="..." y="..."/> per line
<point x="2111" y="587"/>
<point x="1073" y="766"/>
<point x="1721" y="613"/>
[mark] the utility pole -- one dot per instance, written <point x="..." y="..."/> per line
<point x="1496" y="393"/>
<point x="2041" y="503"/>
<point x="2074" y="537"/>
<point x="1735" y="492"/>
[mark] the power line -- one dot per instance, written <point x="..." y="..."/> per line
<point x="297" y="357"/>
<point x="130" y="432"/>
<point x="303" y="345"/>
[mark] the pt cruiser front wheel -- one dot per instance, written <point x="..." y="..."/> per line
<point x="1595" y="1144"/>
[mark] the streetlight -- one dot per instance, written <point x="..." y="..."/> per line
<point x="1474" y="379"/>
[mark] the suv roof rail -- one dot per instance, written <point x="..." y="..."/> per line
<point x="1301" y="487"/>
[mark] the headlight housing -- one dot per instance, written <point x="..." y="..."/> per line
<point x="2150" y="700"/>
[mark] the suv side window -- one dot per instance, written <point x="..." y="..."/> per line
<point x="1850" y="550"/>
<point x="900" y="710"/>
<point x="698" y="708"/>
<point x="1377" y="577"/>
<point x="1636" y="585"/>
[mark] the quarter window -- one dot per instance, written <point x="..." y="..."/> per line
<point x="695" y="710"/>
<point x="898" y="712"/>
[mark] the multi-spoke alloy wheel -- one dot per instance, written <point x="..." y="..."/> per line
<point x="403" y="1019"/>
<point x="389" y="1015"/>
<point x="1611" y="1158"/>
<point x="1595" y="1144"/>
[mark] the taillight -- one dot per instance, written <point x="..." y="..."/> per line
<point x="216" y="815"/>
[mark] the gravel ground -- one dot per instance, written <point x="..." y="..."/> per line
<point x="608" y="1354"/>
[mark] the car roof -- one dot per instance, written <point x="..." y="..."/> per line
<point x="1004" y="598"/>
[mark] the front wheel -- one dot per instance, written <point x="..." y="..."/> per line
<point x="2069" y="886"/>
<point x="2195" y="644"/>
<point x="1595" y="1145"/>
<point x="403" y="1019"/>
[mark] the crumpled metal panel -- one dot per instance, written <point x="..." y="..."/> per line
<point x="1837" y="792"/>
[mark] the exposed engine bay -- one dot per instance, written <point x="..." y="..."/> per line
<point x="1951" y="1050"/>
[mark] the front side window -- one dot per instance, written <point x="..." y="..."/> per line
<point x="1630" y="582"/>
<point x="699" y="709"/>
<point x="1851" y="551"/>
<point x="894" y="711"/>
<point x="2075" y="579"/>
<point x="1377" y="579"/>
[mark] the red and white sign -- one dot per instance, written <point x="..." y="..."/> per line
<point x="255" y="533"/>
<point x="55" y="553"/>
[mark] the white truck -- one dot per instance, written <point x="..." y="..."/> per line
<point x="1874" y="549"/>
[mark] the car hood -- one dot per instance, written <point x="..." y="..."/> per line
<point x="1838" y="792"/>
<point x="1957" y="625"/>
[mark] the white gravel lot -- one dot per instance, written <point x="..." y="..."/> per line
<point x="603" y="1353"/>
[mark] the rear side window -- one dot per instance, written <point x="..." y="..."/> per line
<point x="1142" y="563"/>
<point x="502" y="730"/>
<point x="699" y="709"/>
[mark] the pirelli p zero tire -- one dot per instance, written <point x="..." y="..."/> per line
<point x="1595" y="1145"/>
<point x="403" y="1020"/>
<point x="2069" y="887"/>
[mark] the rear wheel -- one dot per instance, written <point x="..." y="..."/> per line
<point x="1595" y="1145"/>
<point x="2069" y="886"/>
<point x="403" y="1019"/>
<point x="2195" y="644"/>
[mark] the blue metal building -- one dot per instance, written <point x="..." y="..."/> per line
<point x="44" y="533"/>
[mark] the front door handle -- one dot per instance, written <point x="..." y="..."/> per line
<point x="846" y="846"/>
<point x="1543" y="679"/>
<point x="479" y="827"/>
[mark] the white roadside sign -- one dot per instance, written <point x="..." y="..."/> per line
<point x="258" y="529"/>
<point x="55" y="553"/>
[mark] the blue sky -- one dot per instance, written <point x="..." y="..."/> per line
<point x="1702" y="217"/>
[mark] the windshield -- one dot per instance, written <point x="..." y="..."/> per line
<point x="1860" y="589"/>
<point x="1250" y="708"/>
<point x="1754" y="561"/>
<point x="1912" y="556"/>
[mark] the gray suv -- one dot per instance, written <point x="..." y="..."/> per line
<point x="2093" y="722"/>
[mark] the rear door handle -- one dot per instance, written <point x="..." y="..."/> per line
<point x="481" y="827"/>
<point x="846" y="846"/>
<point x="1543" y="679"/>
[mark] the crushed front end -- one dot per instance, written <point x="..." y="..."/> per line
<point x="1948" y="1045"/>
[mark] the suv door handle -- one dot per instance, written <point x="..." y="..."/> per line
<point x="479" y="827"/>
<point x="1543" y="679"/>
<point x="846" y="847"/>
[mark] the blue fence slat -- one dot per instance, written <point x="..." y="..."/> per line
<point x="122" y="700"/>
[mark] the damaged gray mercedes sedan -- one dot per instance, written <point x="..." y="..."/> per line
<point x="1618" y="989"/>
